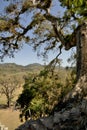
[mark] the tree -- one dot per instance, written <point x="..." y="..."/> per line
<point x="53" y="35"/>
<point x="8" y="88"/>
<point x="40" y="94"/>
<point x="51" y="32"/>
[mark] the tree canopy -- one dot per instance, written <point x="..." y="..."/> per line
<point x="8" y="87"/>
<point x="43" y="28"/>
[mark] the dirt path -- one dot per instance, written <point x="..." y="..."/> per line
<point x="9" y="118"/>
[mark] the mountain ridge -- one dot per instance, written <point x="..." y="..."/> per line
<point x="14" y="68"/>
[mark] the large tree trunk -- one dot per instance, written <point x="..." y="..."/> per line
<point x="80" y="89"/>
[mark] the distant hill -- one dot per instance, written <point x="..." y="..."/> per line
<point x="35" y="67"/>
<point x="12" y="68"/>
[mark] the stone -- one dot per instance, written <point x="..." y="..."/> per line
<point x="47" y="121"/>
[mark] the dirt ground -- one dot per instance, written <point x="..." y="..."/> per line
<point x="9" y="118"/>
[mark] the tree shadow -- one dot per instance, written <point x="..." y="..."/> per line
<point x="3" y="106"/>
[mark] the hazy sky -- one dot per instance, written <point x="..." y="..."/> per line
<point x="27" y="55"/>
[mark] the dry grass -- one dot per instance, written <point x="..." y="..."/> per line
<point x="10" y="118"/>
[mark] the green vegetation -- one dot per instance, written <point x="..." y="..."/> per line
<point x="42" y="92"/>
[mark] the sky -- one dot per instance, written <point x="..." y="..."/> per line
<point x="27" y="56"/>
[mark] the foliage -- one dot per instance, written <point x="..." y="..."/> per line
<point x="42" y="92"/>
<point x="51" y="32"/>
<point x="70" y="83"/>
<point x="75" y="8"/>
<point x="39" y="95"/>
<point x="65" y="89"/>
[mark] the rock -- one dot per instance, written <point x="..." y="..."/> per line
<point x="37" y="125"/>
<point x="68" y="118"/>
<point x="57" y="117"/>
<point x="75" y="112"/>
<point x="32" y="125"/>
<point x="47" y="121"/>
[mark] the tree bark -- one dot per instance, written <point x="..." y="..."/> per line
<point x="80" y="90"/>
<point x="82" y="50"/>
<point x="8" y="103"/>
